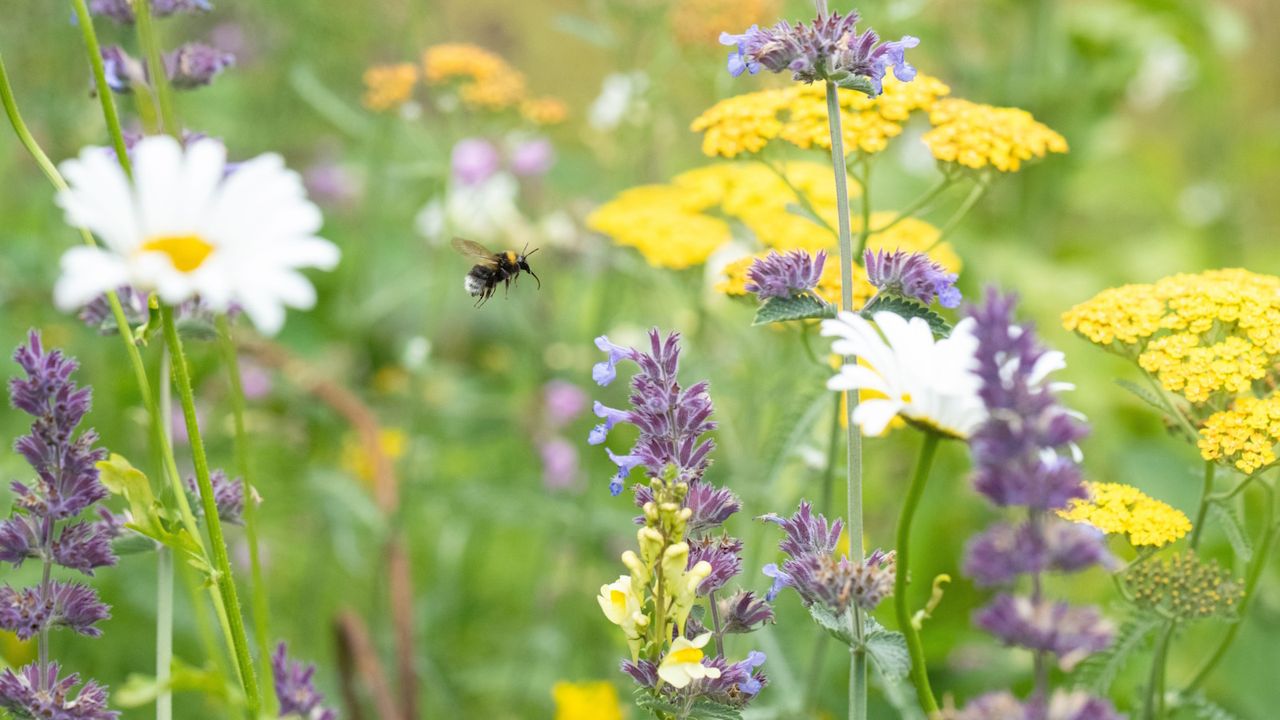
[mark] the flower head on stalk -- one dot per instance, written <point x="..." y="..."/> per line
<point x="827" y="48"/>
<point x="785" y="275"/>
<point x="810" y="542"/>
<point x="183" y="227"/>
<point x="913" y="275"/>
<point x="190" y="66"/>
<point x="122" y="10"/>
<point x="1024" y="457"/>
<point x="296" y="690"/>
<point x="926" y="381"/>
<point x="44" y="528"/>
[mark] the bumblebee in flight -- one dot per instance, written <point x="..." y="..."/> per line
<point x="492" y="268"/>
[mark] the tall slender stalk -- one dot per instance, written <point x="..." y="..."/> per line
<point x="94" y="51"/>
<point x="902" y="608"/>
<point x="258" y="591"/>
<point x="149" y="40"/>
<point x="164" y="632"/>
<point x="1202" y="511"/>
<point x="222" y="564"/>
<point x="858" y="659"/>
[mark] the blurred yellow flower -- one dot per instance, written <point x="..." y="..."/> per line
<point x="357" y="461"/>
<point x="1118" y="509"/>
<point x="977" y="136"/>
<point x="485" y="80"/>
<point x="797" y="115"/>
<point x="389" y="86"/>
<point x="700" y="22"/>
<point x="1245" y="434"/>
<point x="15" y="652"/>
<point x="544" y="111"/>
<point x="1207" y="336"/>
<point x="587" y="701"/>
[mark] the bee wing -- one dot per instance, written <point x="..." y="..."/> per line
<point x="475" y="251"/>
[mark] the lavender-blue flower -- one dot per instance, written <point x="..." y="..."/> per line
<point x="911" y="275"/>
<point x="785" y="275"/>
<point x="295" y="688"/>
<point x="36" y="692"/>
<point x="743" y="612"/>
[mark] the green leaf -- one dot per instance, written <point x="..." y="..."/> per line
<point x="122" y="478"/>
<point x="1099" y="671"/>
<point x="796" y="307"/>
<point x="1199" y="707"/>
<point x="887" y="650"/>
<point x="840" y="626"/>
<point x="1234" y="530"/>
<point x="861" y="83"/>
<point x="907" y="308"/>
<point x="646" y="700"/>
<point x="138" y="690"/>
<point x="1144" y="395"/>
<point x="707" y="710"/>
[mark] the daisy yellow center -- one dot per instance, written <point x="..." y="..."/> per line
<point x="687" y="655"/>
<point x="186" y="252"/>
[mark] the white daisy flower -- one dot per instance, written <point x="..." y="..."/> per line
<point x="929" y="382"/>
<point x="683" y="662"/>
<point x="185" y="227"/>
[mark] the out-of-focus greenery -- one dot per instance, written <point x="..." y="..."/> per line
<point x="1172" y="109"/>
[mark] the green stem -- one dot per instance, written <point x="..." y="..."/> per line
<point x="857" y="664"/>
<point x="801" y="197"/>
<point x="1250" y="585"/>
<point x="864" y="179"/>
<point x="715" y="624"/>
<point x="902" y="608"/>
<point x="92" y="48"/>
<point x="920" y="202"/>
<point x="24" y="135"/>
<point x="149" y="41"/>
<point x="1153" y="704"/>
<point x="231" y="359"/>
<point x="1202" y="512"/>
<point x="164" y="632"/>
<point x="979" y="189"/>
<point x="222" y="564"/>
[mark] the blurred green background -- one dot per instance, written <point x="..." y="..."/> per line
<point x="1172" y="110"/>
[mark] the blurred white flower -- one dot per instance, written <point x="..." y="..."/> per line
<point x="621" y="95"/>
<point x="929" y="382"/>
<point x="187" y="226"/>
<point x="485" y="211"/>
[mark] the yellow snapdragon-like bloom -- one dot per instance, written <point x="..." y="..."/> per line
<point x="978" y="136"/>
<point x="621" y="603"/>
<point x="1244" y="434"/>
<point x="797" y="114"/>
<point x="586" y="701"/>
<point x="485" y="80"/>
<point x="683" y="662"/>
<point x="1118" y="509"/>
<point x="1203" y="335"/>
<point x="389" y="86"/>
<point x="544" y="111"/>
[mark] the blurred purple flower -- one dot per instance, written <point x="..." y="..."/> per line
<point x="743" y="612"/>
<point x="122" y="10"/>
<point x="295" y="688"/>
<point x="195" y="65"/>
<point x="255" y="380"/>
<point x="1071" y="633"/>
<point x="1004" y="551"/>
<point x="784" y="275"/>
<point x="329" y="183"/>
<point x="228" y="496"/>
<point x="559" y="464"/>
<point x="38" y="693"/>
<point x="562" y="402"/>
<point x="474" y="160"/>
<point x="533" y="157"/>
<point x="913" y="275"/>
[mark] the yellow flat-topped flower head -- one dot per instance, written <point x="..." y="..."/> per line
<point x="978" y="136"/>
<point x="389" y="86"/>
<point x="187" y="226"/>
<point x="586" y="701"/>
<point x="484" y="80"/>
<point x="1245" y="434"/>
<point x="1118" y="509"/>
<point x="544" y="110"/>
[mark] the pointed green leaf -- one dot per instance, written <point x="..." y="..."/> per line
<point x="840" y="626"/>
<point x="887" y="650"/>
<point x="1234" y="530"/>
<point x="1099" y="670"/>
<point x="707" y="710"/>
<point x="796" y="307"/>
<point x="1144" y="395"/>
<point x="907" y="308"/>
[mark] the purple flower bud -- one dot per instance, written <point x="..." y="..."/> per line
<point x="35" y="691"/>
<point x="533" y="158"/>
<point x="122" y="10"/>
<point x="912" y="275"/>
<point x="807" y="533"/>
<point x="1063" y="705"/>
<point x="785" y="275"/>
<point x="295" y="688"/>
<point x="195" y="65"/>
<point x="737" y="684"/>
<point x="475" y="160"/>
<point x="84" y="546"/>
<point x="743" y="612"/>
<point x="723" y="554"/>
<point x="228" y="495"/>
<point x="26" y="612"/>
<point x="643" y="672"/>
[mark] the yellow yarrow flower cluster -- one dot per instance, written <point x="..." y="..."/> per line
<point x="586" y="701"/>
<point x="909" y="234"/>
<point x="700" y="22"/>
<point x="1245" y="434"/>
<point x="1208" y="336"/>
<point x="680" y="224"/>
<point x="797" y="115"/>
<point x="1118" y="509"/>
<point x="389" y="86"/>
<point x="485" y="81"/>
<point x="359" y="462"/>
<point x="977" y="136"/>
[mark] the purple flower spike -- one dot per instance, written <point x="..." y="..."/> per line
<point x="723" y="556"/>
<point x="1069" y="632"/>
<point x="744" y="612"/>
<point x="295" y="688"/>
<point x="911" y="275"/>
<point x="37" y="692"/>
<point x="807" y="533"/>
<point x="785" y="275"/>
<point x="28" y="611"/>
